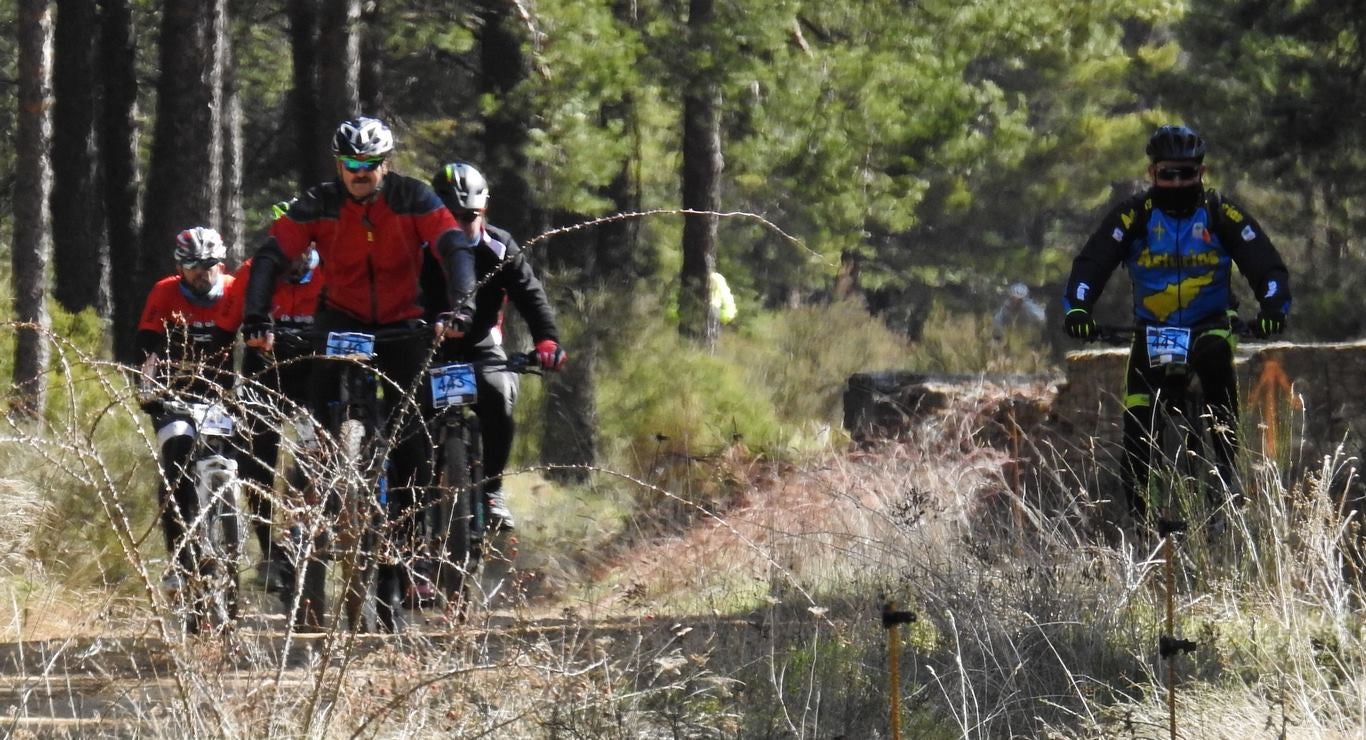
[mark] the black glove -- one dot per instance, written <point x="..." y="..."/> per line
<point x="460" y="320"/>
<point x="1080" y="325"/>
<point x="256" y="328"/>
<point x="1269" y="321"/>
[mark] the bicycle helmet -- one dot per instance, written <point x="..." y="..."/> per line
<point x="461" y="187"/>
<point x="1175" y="143"/>
<point x="199" y="244"/>
<point x="1018" y="291"/>
<point x="362" y="137"/>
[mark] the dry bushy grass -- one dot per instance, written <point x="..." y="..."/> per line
<point x="760" y="621"/>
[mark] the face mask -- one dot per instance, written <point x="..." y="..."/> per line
<point x="1179" y="200"/>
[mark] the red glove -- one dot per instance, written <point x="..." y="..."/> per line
<point x="550" y="354"/>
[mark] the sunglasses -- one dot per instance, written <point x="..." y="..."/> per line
<point x="204" y="264"/>
<point x="1187" y="172"/>
<point x="360" y="165"/>
<point x="466" y="217"/>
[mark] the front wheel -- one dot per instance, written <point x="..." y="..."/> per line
<point x="459" y="521"/>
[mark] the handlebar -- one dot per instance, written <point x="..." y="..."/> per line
<point x="1121" y="334"/>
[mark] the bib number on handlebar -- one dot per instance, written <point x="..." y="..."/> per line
<point x="211" y="419"/>
<point x="348" y="343"/>
<point x="452" y="385"/>
<point x="1168" y="345"/>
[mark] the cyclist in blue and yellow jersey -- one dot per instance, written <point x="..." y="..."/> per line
<point x="1179" y="242"/>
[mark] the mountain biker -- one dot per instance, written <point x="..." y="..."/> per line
<point x="185" y="337"/>
<point x="504" y="274"/>
<point x="1178" y="240"/>
<point x="1018" y="309"/>
<point x="370" y="227"/>
<point x="282" y="375"/>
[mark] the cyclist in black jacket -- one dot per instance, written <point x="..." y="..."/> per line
<point x="1179" y="242"/>
<point x="509" y="276"/>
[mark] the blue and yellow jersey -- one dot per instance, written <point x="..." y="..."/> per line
<point x="1181" y="266"/>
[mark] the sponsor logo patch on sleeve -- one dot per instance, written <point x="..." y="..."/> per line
<point x="1118" y="234"/>
<point x="1248" y="233"/>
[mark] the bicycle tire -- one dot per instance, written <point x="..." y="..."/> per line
<point x="460" y="553"/>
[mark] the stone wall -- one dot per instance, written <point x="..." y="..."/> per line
<point x="1300" y="401"/>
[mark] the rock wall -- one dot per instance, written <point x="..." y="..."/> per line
<point x="1300" y="401"/>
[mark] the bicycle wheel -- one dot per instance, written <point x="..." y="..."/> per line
<point x="459" y="554"/>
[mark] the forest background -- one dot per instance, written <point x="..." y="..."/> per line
<point x="868" y="176"/>
<point x="906" y="155"/>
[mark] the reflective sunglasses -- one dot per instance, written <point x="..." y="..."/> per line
<point x="1184" y="172"/>
<point x="466" y="217"/>
<point x="204" y="264"/>
<point x="360" y="165"/>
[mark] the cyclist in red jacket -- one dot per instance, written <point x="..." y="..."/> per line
<point x="371" y="228"/>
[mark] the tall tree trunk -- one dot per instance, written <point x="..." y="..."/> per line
<point x="80" y="257"/>
<point x="230" y="200"/>
<point x="702" y="164"/>
<point x="30" y="251"/>
<point x="184" y="178"/>
<point x="502" y="67"/>
<point x="118" y="154"/>
<point x="339" y="65"/>
<point x="373" y="31"/>
<point x="314" y="159"/>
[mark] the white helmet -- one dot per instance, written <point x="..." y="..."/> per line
<point x="362" y="137"/>
<point x="461" y="187"/>
<point x="1018" y="291"/>
<point x="199" y="244"/>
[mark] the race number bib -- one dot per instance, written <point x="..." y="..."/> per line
<point x="452" y="385"/>
<point x="348" y="343"/>
<point x="1168" y="345"/>
<point x="211" y="419"/>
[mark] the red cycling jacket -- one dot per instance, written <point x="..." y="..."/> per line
<point x="372" y="251"/>
<point x="291" y="304"/>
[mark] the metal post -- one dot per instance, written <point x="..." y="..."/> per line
<point x="890" y="619"/>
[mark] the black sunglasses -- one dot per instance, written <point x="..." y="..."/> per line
<point x="1186" y="172"/>
<point x="466" y="217"/>
<point x="203" y="264"/>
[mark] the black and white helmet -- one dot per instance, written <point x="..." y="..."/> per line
<point x="461" y="187"/>
<point x="362" y="137"/>
<point x="199" y="244"/>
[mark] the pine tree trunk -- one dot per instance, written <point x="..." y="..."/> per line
<point x="373" y="31"/>
<point x="314" y="158"/>
<point x="338" y="65"/>
<point x="118" y="155"/>
<point x="30" y="251"/>
<point x="80" y="256"/>
<point x="702" y="164"/>
<point x="184" y="179"/>
<point x="233" y="222"/>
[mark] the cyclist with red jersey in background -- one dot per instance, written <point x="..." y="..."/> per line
<point x="281" y="375"/>
<point x="185" y="336"/>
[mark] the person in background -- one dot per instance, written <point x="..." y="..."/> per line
<point x="1017" y="310"/>
<point x="281" y="375"/>
<point x="185" y="336"/>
